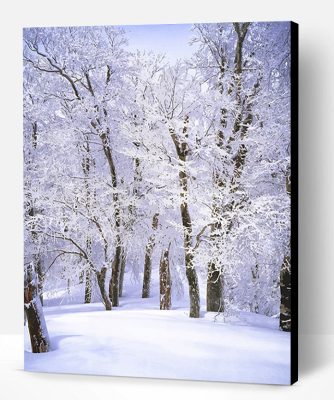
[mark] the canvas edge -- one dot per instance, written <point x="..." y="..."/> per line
<point x="294" y="204"/>
<point x="294" y="131"/>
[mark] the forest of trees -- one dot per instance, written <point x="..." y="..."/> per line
<point x="134" y="164"/>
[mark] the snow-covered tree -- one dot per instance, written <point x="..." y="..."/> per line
<point x="244" y="74"/>
<point x="135" y="164"/>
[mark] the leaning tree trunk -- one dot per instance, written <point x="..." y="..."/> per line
<point x="101" y="279"/>
<point x="148" y="259"/>
<point x="39" y="337"/>
<point x="165" y="281"/>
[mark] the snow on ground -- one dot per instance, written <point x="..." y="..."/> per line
<point x="137" y="339"/>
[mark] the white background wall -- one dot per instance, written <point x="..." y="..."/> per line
<point x="316" y="267"/>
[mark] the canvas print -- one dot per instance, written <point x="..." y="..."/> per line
<point x="158" y="184"/>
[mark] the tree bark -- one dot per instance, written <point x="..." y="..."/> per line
<point x="165" y="281"/>
<point x="191" y="274"/>
<point x="40" y="273"/>
<point x="115" y="277"/>
<point x="101" y="279"/>
<point x="39" y="337"/>
<point x="189" y="256"/>
<point x="214" y="289"/>
<point x="148" y="259"/>
<point x="88" y="287"/>
<point x="88" y="272"/>
<point x="32" y="213"/>
<point x="122" y="272"/>
<point x="254" y="306"/>
<point x="37" y="257"/>
<point x="285" y="286"/>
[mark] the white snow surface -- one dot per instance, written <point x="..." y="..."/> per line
<point x="139" y="340"/>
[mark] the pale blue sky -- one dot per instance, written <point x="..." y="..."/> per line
<point x="171" y="40"/>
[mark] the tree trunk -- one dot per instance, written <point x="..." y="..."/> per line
<point x="190" y="270"/>
<point x="87" y="163"/>
<point x="214" y="289"/>
<point x="254" y="306"/>
<point x="38" y="266"/>
<point x="122" y="272"/>
<point x="116" y="265"/>
<point x="147" y="270"/>
<point x="88" y="287"/>
<point x="37" y="258"/>
<point x="115" y="275"/>
<point x="165" y="281"/>
<point x="193" y="288"/>
<point x="285" y="286"/>
<point x="101" y="279"/>
<point x="39" y="337"/>
<point x="214" y="283"/>
<point x="148" y="259"/>
<point x="40" y="273"/>
<point x="182" y="150"/>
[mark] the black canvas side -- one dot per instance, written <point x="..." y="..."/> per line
<point x="294" y="202"/>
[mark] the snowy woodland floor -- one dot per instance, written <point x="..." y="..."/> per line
<point x="137" y="339"/>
